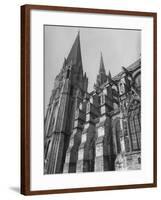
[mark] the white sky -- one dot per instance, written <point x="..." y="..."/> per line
<point x="119" y="48"/>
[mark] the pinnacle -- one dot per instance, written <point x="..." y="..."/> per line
<point x="101" y="77"/>
<point x="102" y="66"/>
<point x="109" y="74"/>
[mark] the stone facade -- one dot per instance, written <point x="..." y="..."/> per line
<point x="96" y="131"/>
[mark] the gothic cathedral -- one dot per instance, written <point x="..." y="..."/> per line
<point x="96" y="131"/>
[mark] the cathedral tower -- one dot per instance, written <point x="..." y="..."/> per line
<point x="69" y="84"/>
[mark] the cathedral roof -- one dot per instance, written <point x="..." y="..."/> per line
<point x="74" y="56"/>
<point x="131" y="68"/>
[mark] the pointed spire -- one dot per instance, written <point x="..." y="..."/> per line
<point x="109" y="74"/>
<point x="74" y="56"/>
<point x="102" y="66"/>
<point x="110" y="80"/>
<point x="101" y="77"/>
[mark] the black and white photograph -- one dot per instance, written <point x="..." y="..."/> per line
<point x="92" y="99"/>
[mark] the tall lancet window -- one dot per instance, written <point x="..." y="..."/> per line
<point x="137" y="127"/>
<point x="117" y="129"/>
<point x="133" y="133"/>
<point x="134" y="126"/>
<point x="126" y="137"/>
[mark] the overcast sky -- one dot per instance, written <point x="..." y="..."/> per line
<point x="118" y="47"/>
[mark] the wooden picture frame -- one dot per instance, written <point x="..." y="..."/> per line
<point x="26" y="98"/>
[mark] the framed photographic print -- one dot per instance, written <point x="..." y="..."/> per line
<point x="88" y="99"/>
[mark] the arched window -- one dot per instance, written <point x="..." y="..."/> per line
<point x="134" y="126"/>
<point x="68" y="73"/>
<point x="132" y="133"/>
<point x="126" y="137"/>
<point x="117" y="129"/>
<point x="137" y="128"/>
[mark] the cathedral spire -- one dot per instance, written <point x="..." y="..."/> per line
<point x="101" y="77"/>
<point x="74" y="56"/>
<point x="102" y="66"/>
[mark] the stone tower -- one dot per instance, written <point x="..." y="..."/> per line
<point x="104" y="158"/>
<point x="70" y="85"/>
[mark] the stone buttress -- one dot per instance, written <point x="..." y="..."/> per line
<point x="86" y="151"/>
<point x="104" y="157"/>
